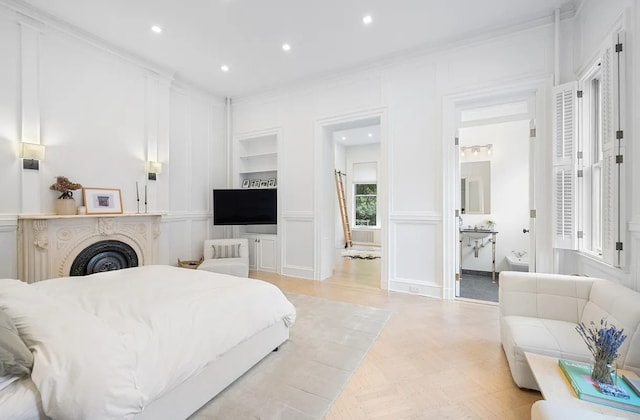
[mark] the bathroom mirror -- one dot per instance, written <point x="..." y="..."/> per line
<point x="475" y="187"/>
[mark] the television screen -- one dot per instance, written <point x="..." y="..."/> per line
<point x="245" y="207"/>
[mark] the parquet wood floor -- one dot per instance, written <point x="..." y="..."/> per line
<point x="433" y="359"/>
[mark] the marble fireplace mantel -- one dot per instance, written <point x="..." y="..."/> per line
<point x="48" y="244"/>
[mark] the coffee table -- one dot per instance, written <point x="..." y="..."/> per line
<point x="554" y="386"/>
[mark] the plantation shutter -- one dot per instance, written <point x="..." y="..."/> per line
<point x="564" y="161"/>
<point x="612" y="150"/>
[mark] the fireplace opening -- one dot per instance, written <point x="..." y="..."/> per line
<point x="104" y="256"/>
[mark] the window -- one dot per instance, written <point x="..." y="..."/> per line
<point x="591" y="162"/>
<point x="588" y="158"/>
<point x="366" y="204"/>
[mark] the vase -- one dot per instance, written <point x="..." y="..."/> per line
<point x="65" y="206"/>
<point x="602" y="370"/>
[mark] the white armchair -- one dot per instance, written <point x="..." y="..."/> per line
<point x="226" y="256"/>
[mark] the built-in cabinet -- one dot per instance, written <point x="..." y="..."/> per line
<point x="257" y="167"/>
<point x="263" y="252"/>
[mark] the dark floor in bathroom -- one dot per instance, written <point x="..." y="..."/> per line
<point x="479" y="287"/>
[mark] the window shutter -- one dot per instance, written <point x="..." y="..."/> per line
<point x="612" y="91"/>
<point x="564" y="160"/>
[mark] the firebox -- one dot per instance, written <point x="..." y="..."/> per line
<point x="104" y="256"/>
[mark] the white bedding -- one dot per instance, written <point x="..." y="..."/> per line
<point x="108" y="344"/>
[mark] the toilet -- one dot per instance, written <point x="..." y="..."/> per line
<point x="517" y="264"/>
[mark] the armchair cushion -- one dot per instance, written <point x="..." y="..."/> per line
<point x="226" y="251"/>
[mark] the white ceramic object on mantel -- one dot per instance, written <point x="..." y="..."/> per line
<point x="66" y="206"/>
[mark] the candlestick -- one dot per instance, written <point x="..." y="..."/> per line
<point x="145" y="198"/>
<point x="138" y="195"/>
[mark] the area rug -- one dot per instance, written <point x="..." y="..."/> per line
<point x="361" y="253"/>
<point x="305" y="376"/>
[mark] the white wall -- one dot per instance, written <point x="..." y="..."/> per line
<point x="509" y="191"/>
<point x="409" y="92"/>
<point x="101" y="115"/>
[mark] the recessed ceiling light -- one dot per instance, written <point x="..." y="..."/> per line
<point x="156" y="29"/>
<point x="286" y="47"/>
<point x="344" y="138"/>
<point x="370" y="135"/>
<point x="224" y="68"/>
<point x="367" y="19"/>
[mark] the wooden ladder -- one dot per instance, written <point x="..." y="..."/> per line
<point x="344" y="215"/>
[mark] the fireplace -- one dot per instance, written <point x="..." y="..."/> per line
<point x="104" y="256"/>
<point x="58" y="246"/>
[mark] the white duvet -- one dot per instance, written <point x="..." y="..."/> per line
<point x="108" y="344"/>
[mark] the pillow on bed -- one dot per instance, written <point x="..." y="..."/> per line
<point x="226" y="251"/>
<point x="5" y="381"/>
<point x="15" y="357"/>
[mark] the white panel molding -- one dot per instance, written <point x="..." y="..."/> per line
<point x="634" y="225"/>
<point x="293" y="269"/>
<point x="30" y="32"/>
<point x="8" y="223"/>
<point x="411" y="285"/>
<point x="301" y="216"/>
<point x="173" y="217"/>
<point x="415" y="217"/>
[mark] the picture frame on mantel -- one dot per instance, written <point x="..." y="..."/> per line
<point x="102" y="200"/>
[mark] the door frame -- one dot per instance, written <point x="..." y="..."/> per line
<point x="539" y="173"/>
<point x="324" y="204"/>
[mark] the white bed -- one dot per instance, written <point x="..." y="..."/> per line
<point x="152" y="342"/>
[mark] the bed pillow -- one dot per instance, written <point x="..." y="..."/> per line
<point x="226" y="251"/>
<point x="15" y="357"/>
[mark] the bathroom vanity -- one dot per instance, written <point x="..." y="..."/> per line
<point x="478" y="236"/>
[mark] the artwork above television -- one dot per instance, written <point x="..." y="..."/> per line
<point x="245" y="206"/>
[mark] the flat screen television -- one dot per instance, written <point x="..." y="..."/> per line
<point x="245" y="207"/>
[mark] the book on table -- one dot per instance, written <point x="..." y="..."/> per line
<point x="579" y="375"/>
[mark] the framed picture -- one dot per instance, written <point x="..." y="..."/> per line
<point x="272" y="182"/>
<point x="102" y="200"/>
<point x="245" y="183"/>
<point x="255" y="183"/>
<point x="264" y="183"/>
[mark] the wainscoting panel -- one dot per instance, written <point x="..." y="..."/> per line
<point x="297" y="233"/>
<point x="415" y="253"/>
<point x="182" y="236"/>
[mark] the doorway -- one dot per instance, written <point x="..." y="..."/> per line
<point x="353" y="146"/>
<point x="494" y="196"/>
<point x="518" y="104"/>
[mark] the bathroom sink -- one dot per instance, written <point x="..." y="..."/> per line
<point x="475" y="233"/>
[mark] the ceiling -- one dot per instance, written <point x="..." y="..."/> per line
<point x="326" y="36"/>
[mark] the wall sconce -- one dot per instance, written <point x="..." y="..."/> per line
<point x="153" y="168"/>
<point x="31" y="155"/>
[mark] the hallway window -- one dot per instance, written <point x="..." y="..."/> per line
<point x="366" y="204"/>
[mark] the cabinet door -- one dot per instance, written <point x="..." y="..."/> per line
<point x="267" y="255"/>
